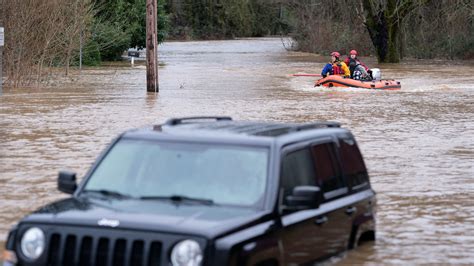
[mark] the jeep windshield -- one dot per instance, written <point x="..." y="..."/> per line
<point x="211" y="173"/>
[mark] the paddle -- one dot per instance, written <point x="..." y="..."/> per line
<point x="306" y="75"/>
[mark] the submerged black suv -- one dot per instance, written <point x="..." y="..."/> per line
<point x="207" y="191"/>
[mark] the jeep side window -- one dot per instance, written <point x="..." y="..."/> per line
<point x="327" y="171"/>
<point x="353" y="167"/>
<point x="297" y="170"/>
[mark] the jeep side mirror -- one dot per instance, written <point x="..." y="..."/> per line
<point x="67" y="182"/>
<point x="304" y="197"/>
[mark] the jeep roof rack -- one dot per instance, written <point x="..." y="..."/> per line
<point x="289" y="128"/>
<point x="300" y="127"/>
<point x="244" y="127"/>
<point x="177" y="121"/>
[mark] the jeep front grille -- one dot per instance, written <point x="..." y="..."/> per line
<point x="70" y="249"/>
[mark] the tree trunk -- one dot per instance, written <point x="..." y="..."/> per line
<point x="67" y="61"/>
<point x="394" y="51"/>
<point x="383" y="20"/>
<point x="384" y="30"/>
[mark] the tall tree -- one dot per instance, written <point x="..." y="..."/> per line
<point x="383" y="19"/>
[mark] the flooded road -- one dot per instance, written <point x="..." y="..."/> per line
<point x="418" y="142"/>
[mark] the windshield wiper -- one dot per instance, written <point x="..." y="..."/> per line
<point x="179" y="198"/>
<point x="109" y="193"/>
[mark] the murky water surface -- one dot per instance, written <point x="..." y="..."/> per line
<point x="418" y="142"/>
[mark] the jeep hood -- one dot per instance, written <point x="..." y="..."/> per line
<point x="150" y="215"/>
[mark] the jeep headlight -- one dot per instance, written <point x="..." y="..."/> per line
<point x="32" y="243"/>
<point x="186" y="253"/>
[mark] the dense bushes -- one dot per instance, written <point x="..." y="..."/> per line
<point x="40" y="34"/>
<point x="120" y="24"/>
<point x="389" y="29"/>
<point x="192" y="19"/>
<point x="441" y="29"/>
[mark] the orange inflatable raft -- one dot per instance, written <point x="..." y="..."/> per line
<point x="339" y="81"/>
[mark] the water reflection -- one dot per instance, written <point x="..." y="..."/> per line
<point x="417" y="142"/>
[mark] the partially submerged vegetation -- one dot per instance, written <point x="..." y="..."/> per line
<point x="388" y="29"/>
<point x="40" y="34"/>
<point x="45" y="34"/>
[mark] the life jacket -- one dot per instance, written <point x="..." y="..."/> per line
<point x="337" y="69"/>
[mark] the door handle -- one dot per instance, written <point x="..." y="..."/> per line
<point x="321" y="220"/>
<point x="351" y="210"/>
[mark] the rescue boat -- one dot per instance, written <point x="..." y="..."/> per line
<point x="340" y="81"/>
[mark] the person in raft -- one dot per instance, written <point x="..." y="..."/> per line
<point x="336" y="67"/>
<point x="359" y="70"/>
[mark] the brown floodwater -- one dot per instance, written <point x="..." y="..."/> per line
<point x="418" y="142"/>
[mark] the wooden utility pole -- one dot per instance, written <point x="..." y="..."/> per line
<point x="151" y="47"/>
<point x="1" y="57"/>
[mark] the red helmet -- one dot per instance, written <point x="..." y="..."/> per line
<point x="336" y="54"/>
<point x="353" y="52"/>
